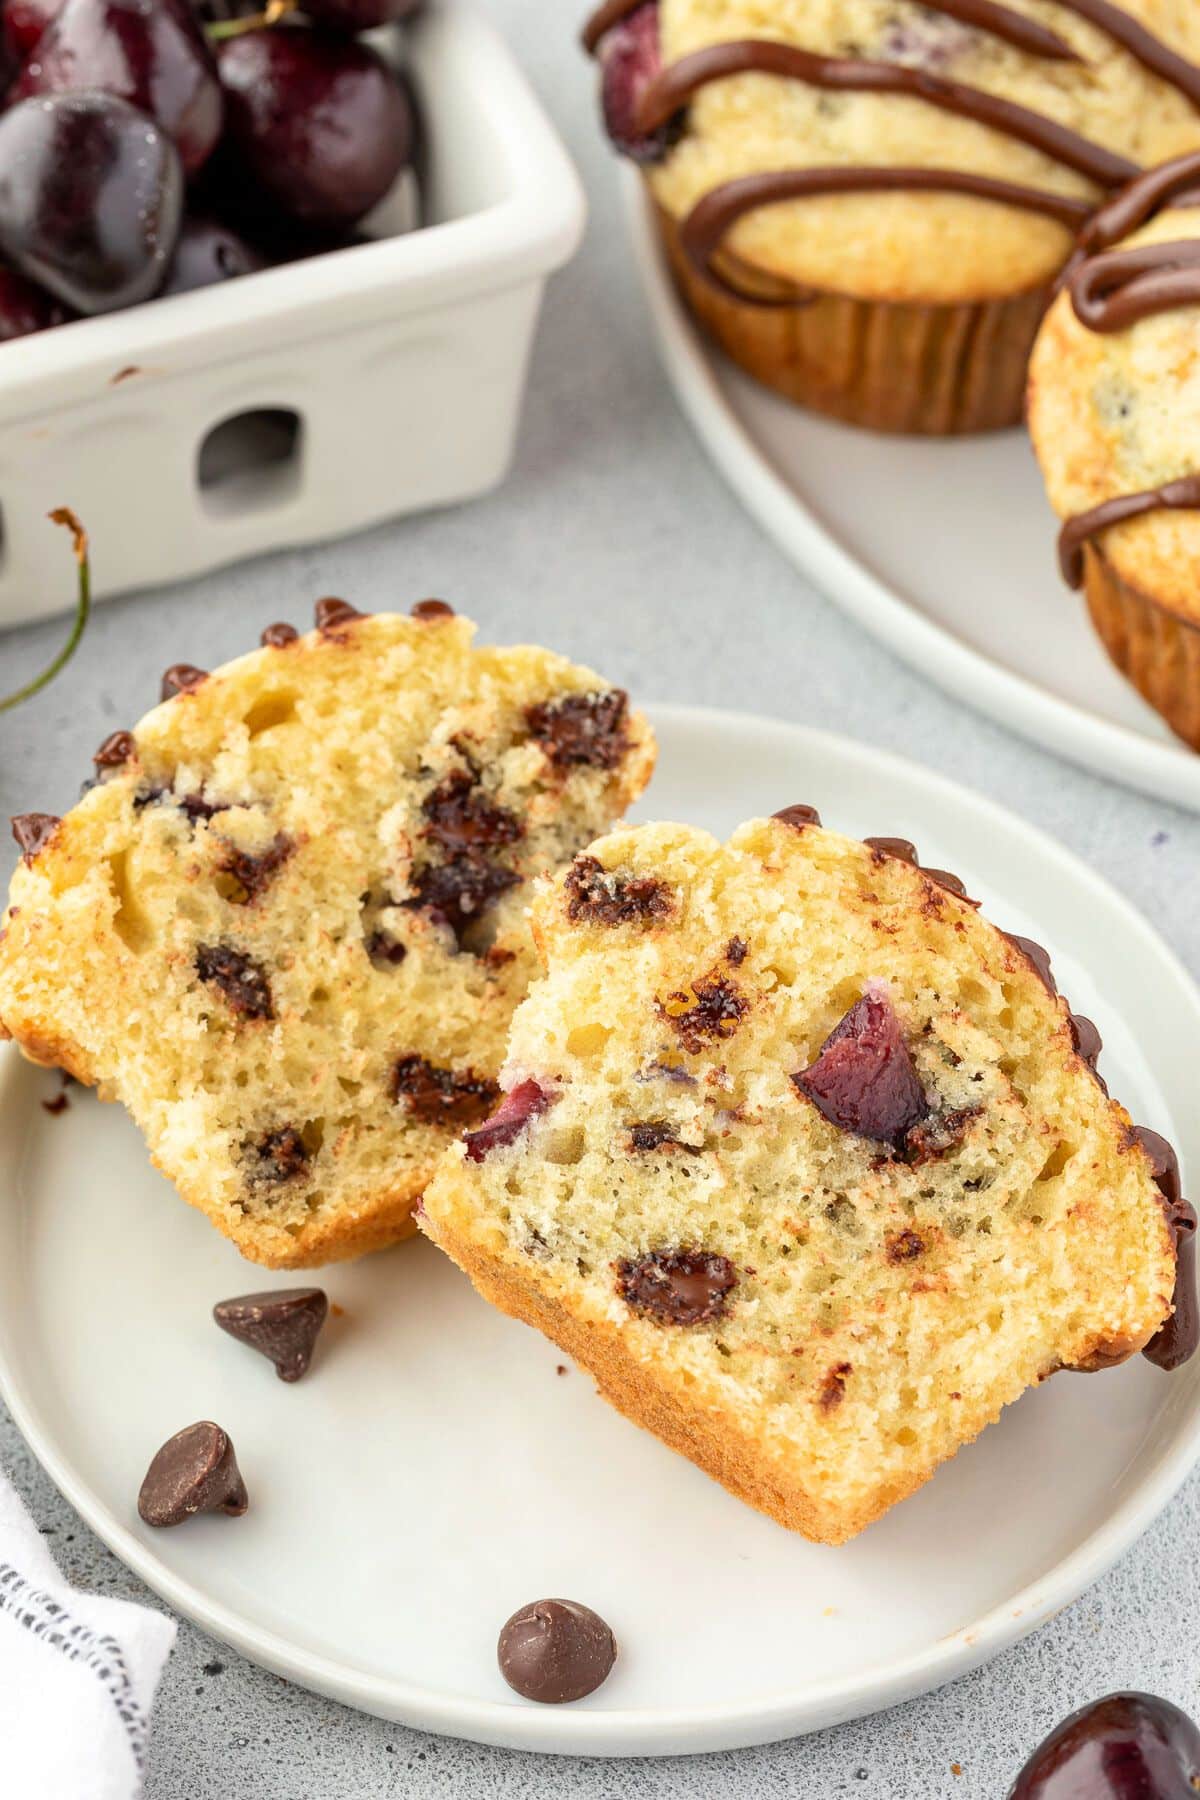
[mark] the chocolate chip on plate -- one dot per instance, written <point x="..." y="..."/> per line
<point x="282" y="1323"/>
<point x="196" y="1471"/>
<point x="555" y="1650"/>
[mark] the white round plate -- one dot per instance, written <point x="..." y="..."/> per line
<point x="434" y="1470"/>
<point x="944" y="549"/>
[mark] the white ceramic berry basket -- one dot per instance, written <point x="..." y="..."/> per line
<point x="365" y="383"/>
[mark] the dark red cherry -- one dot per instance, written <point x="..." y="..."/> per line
<point x="630" y="58"/>
<point x="863" y="1079"/>
<point x="149" y="52"/>
<point x="24" y="23"/>
<point x="354" y="16"/>
<point x="526" y="1101"/>
<point x="317" y="128"/>
<point x="209" y="252"/>
<point x="1124" y="1747"/>
<point x="91" y="194"/>
<point x="25" y="308"/>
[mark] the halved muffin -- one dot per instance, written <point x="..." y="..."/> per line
<point x="809" y="1165"/>
<point x="286" y="927"/>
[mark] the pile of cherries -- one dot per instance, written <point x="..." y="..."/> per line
<point x="153" y="146"/>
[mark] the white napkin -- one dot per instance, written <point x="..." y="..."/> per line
<point x="77" y="1676"/>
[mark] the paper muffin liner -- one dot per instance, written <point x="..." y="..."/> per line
<point x="889" y="366"/>
<point x="1155" y="649"/>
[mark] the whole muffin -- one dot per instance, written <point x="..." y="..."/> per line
<point x="867" y="201"/>
<point x="1114" y="410"/>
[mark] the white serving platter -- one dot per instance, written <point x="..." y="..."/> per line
<point x="944" y="549"/>
<point x="434" y="1471"/>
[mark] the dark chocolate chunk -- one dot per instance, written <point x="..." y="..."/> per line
<point x="906" y="1246"/>
<point x="330" y="613"/>
<point x="582" y="729"/>
<point x="1038" y="955"/>
<point x="863" y="1079"/>
<point x="677" y="1287"/>
<point x="555" y="1650"/>
<point x="526" y="1101"/>
<point x="241" y="980"/>
<point x="462" y="820"/>
<point x="656" y="1134"/>
<point x="939" y="1133"/>
<point x="279" y="636"/>
<point x="429" y="611"/>
<point x="181" y="678"/>
<point x="459" y="892"/>
<point x="384" y="949"/>
<point x="715" y="1013"/>
<point x="196" y="1471"/>
<point x="249" y="872"/>
<point x="442" y="1096"/>
<point x="736" y="951"/>
<point x="602" y="897"/>
<point x="798" y="816"/>
<point x="116" y="749"/>
<point x="193" y="806"/>
<point x="283" y="1324"/>
<point x="55" y="1107"/>
<point x="833" y="1389"/>
<point x="275" y="1157"/>
<point x="33" y="832"/>
<point x="899" y="848"/>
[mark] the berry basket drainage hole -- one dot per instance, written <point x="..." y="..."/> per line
<point x="250" y="461"/>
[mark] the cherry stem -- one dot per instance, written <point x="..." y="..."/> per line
<point x="62" y="515"/>
<point x="272" y="13"/>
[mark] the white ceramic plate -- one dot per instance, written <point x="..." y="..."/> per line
<point x="942" y="548"/>
<point x="433" y="1471"/>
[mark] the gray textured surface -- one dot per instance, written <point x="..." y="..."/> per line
<point x="614" y="541"/>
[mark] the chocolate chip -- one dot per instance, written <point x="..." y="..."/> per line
<point x="57" y="1106"/>
<point x="656" y="1134"/>
<point x="279" y="636"/>
<point x="462" y="820"/>
<point x="442" y="1096"/>
<point x="798" y="816"/>
<point x="602" y="897"/>
<point x="677" y="1287"/>
<point x="899" y="848"/>
<point x="582" y="729"/>
<point x="934" y="1136"/>
<point x="526" y="1101"/>
<point x="275" y="1157"/>
<point x="717" y="1007"/>
<point x="428" y="611"/>
<point x="1038" y="955"/>
<point x="283" y="1324"/>
<point x="181" y="678"/>
<point x="459" y="892"/>
<point x="33" y="832"/>
<point x="833" y="1388"/>
<point x="1086" y="1039"/>
<point x="736" y="951"/>
<point x="329" y="613"/>
<point x="863" y="1079"/>
<point x="384" y="949"/>
<point x="249" y="872"/>
<point x="116" y="749"/>
<point x="555" y="1650"/>
<point x="196" y="1471"/>
<point x="906" y="1246"/>
<point x="240" y="979"/>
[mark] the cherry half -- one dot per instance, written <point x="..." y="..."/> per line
<point x="25" y="308"/>
<point x="863" y="1079"/>
<point x="317" y="129"/>
<point x="149" y="52"/>
<point x="1124" y="1747"/>
<point x="91" y="195"/>
<point x="24" y="23"/>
